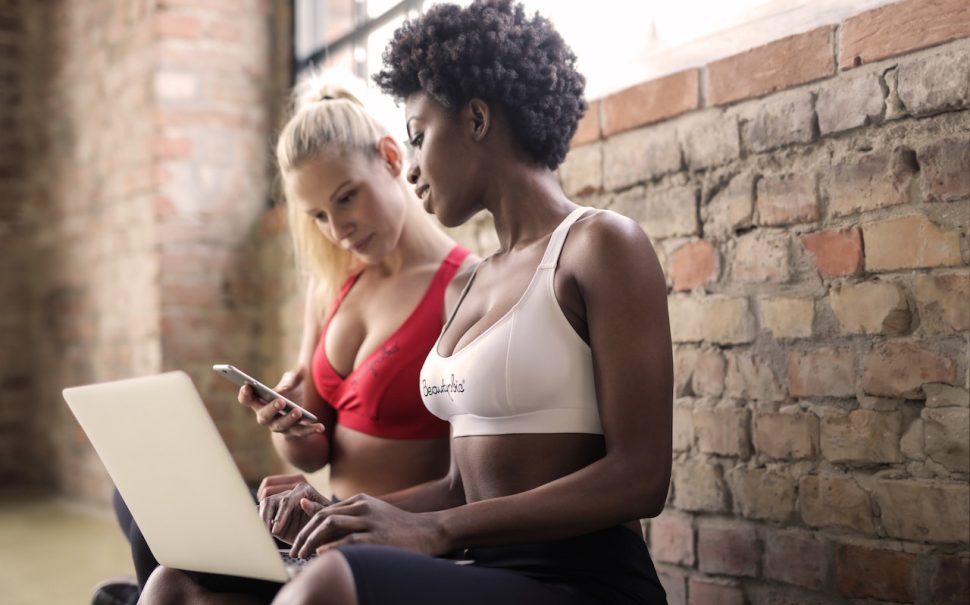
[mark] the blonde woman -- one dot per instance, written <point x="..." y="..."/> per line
<point x="381" y="274"/>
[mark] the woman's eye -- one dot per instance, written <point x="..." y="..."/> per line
<point x="320" y="217"/>
<point x="416" y="140"/>
<point x="347" y="197"/>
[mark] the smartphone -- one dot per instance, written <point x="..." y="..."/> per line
<point x="240" y="378"/>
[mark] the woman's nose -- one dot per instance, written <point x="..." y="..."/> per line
<point x="413" y="173"/>
<point x="341" y="229"/>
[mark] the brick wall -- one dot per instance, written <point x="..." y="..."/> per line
<point x="15" y="375"/>
<point x="810" y="201"/>
<point x="139" y="212"/>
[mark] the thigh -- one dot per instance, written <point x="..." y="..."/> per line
<point x="384" y="576"/>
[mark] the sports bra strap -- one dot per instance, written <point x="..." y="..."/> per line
<point x="551" y="258"/>
<point x="340" y="296"/>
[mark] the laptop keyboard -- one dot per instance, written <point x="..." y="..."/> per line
<point x="294" y="564"/>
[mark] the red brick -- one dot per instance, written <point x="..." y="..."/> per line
<point x="672" y="539"/>
<point x="945" y="169"/>
<point x="900" y="369"/>
<point x="709" y="592"/>
<point x="775" y="66"/>
<point x="693" y="265"/>
<point x="795" y="558"/>
<point x="900" y="28"/>
<point x="822" y="373"/>
<point x="588" y="129"/>
<point x="650" y="102"/>
<point x="837" y="253"/>
<point x="880" y="574"/>
<point x="787" y="199"/>
<point x="177" y="26"/>
<point x="950" y="581"/>
<point x="727" y="548"/>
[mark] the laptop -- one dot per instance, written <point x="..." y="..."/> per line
<point x="168" y="461"/>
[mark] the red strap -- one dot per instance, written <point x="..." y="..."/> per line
<point x="340" y="296"/>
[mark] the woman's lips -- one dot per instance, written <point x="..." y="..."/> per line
<point x="362" y="244"/>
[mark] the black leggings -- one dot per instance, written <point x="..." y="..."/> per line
<point x="141" y="555"/>
<point x="608" y="567"/>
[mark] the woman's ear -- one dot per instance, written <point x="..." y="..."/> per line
<point x="479" y="118"/>
<point x="391" y="155"/>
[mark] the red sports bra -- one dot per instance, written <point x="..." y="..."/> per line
<point x="381" y="397"/>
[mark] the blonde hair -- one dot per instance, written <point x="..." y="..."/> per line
<point x="327" y="117"/>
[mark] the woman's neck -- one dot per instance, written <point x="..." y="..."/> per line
<point x="526" y="204"/>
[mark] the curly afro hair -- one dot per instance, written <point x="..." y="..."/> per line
<point x="491" y="50"/>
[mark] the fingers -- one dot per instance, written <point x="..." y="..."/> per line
<point x="267" y="512"/>
<point x="325" y="528"/>
<point x="274" y="484"/>
<point x="248" y="398"/>
<point x="310" y="507"/>
<point x="290" y="380"/>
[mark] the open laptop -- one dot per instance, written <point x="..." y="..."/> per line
<point x="164" y="454"/>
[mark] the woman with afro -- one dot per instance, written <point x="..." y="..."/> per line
<point x="554" y="368"/>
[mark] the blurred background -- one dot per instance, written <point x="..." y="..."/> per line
<point x="803" y="168"/>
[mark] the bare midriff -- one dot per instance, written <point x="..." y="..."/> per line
<point x="362" y="463"/>
<point x="501" y="465"/>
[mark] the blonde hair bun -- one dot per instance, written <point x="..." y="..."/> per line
<point x="320" y="87"/>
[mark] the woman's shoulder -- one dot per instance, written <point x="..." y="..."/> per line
<point x="607" y="251"/>
<point x="605" y="232"/>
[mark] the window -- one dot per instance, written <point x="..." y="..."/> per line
<point x="619" y="43"/>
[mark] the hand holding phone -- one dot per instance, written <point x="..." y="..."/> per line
<point x="263" y="392"/>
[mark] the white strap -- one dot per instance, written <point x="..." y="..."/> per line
<point x="551" y="258"/>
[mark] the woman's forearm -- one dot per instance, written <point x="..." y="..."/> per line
<point x="309" y="454"/>
<point x="435" y="495"/>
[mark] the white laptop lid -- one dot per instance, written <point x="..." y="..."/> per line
<point x="168" y="461"/>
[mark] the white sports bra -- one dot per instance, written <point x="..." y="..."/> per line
<point x="527" y="373"/>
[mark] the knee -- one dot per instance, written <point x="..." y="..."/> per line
<point x="166" y="586"/>
<point x="326" y="581"/>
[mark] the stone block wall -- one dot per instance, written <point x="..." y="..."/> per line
<point x="810" y="202"/>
